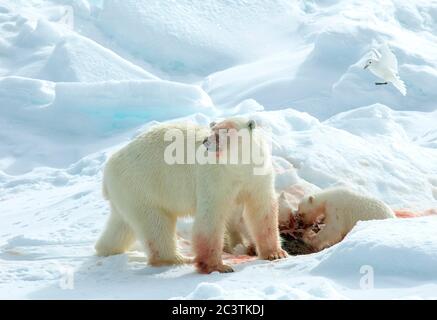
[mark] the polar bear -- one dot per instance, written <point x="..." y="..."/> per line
<point x="236" y="228"/>
<point x="339" y="209"/>
<point x="237" y="233"/>
<point x="147" y="194"/>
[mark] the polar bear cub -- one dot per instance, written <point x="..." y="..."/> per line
<point x="147" y="194"/>
<point x="339" y="209"/>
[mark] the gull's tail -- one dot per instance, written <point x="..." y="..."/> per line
<point x="400" y="85"/>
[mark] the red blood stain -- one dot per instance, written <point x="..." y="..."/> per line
<point x="207" y="260"/>
<point x="225" y="125"/>
<point x="409" y="214"/>
<point x="206" y="251"/>
<point x="238" y="259"/>
<point x="296" y="191"/>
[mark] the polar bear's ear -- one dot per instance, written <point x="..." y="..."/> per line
<point x="212" y="124"/>
<point x="251" y="124"/>
<point x="311" y="199"/>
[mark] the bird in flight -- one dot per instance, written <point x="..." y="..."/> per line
<point x="384" y="65"/>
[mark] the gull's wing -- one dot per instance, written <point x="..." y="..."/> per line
<point x="376" y="53"/>
<point x="388" y="58"/>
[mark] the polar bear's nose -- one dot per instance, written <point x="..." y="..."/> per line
<point x="205" y="142"/>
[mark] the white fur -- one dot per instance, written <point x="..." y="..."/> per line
<point x="237" y="233"/>
<point x="342" y="209"/>
<point x="147" y="196"/>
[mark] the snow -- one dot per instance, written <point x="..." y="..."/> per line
<point x="332" y="42"/>
<point x="398" y="252"/>
<point x="73" y="93"/>
<point x="86" y="61"/>
<point x="216" y="31"/>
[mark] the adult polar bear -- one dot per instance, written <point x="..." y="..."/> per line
<point x="147" y="195"/>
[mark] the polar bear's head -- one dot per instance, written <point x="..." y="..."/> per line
<point x="311" y="209"/>
<point x="225" y="135"/>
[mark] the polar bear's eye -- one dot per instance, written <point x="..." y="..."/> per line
<point x="251" y="124"/>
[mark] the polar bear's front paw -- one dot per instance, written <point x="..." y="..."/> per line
<point x="279" y="254"/>
<point x="203" y="267"/>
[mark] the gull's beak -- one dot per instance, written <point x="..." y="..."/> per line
<point x="206" y="142"/>
<point x="366" y="66"/>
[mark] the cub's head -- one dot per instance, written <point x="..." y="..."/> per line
<point x="311" y="209"/>
<point x="230" y="136"/>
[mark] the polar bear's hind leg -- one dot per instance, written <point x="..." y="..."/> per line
<point x="117" y="236"/>
<point x="157" y="232"/>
